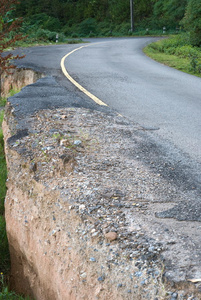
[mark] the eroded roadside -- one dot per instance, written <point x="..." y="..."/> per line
<point x="81" y="205"/>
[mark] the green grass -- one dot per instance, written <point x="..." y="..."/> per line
<point x="177" y="53"/>
<point x="3" y="101"/>
<point x="28" y="44"/>
<point x="5" y="294"/>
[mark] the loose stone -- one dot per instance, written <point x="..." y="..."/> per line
<point x="111" y="236"/>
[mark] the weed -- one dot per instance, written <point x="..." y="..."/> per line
<point x="5" y="294"/>
<point x="176" y="52"/>
<point x="12" y="92"/>
<point x="193" y="62"/>
<point x="3" y="101"/>
<point x="58" y="136"/>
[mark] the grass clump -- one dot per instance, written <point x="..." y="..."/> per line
<point x="3" y="101"/>
<point x="177" y="52"/>
<point x="5" y="294"/>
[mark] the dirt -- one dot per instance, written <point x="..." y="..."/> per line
<point x="81" y="212"/>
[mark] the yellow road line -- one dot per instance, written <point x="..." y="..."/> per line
<point x="81" y="88"/>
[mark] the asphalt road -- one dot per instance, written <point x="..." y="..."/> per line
<point x="117" y="72"/>
<point x="166" y="103"/>
<point x="163" y="106"/>
<point x="153" y="95"/>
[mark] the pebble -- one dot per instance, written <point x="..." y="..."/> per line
<point x="64" y="143"/>
<point x="111" y="236"/>
<point x="174" y="296"/>
<point x="138" y="274"/>
<point x="83" y="275"/>
<point x="77" y="143"/>
<point x="101" y="278"/>
<point x="82" y="207"/>
<point x="92" y="259"/>
<point x="91" y="191"/>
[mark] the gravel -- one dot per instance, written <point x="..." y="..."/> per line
<point x="92" y="160"/>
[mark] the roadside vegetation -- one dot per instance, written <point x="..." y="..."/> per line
<point x="68" y="21"/>
<point x="177" y="52"/>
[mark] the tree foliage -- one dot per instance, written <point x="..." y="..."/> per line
<point x="192" y="21"/>
<point x="73" y="16"/>
<point x="8" y="34"/>
<point x="169" y="13"/>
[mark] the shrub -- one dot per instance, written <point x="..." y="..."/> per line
<point x="170" y="50"/>
<point x="186" y="51"/>
<point x="74" y="35"/>
<point x="192" y="21"/>
<point x="43" y="21"/>
<point x="88" y="26"/>
<point x="46" y="36"/>
<point x="122" y="29"/>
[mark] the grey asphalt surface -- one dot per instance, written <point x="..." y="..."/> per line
<point x="152" y="95"/>
<point x="166" y="104"/>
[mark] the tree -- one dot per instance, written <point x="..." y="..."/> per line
<point x="192" y="21"/>
<point x="8" y="35"/>
<point x="168" y="13"/>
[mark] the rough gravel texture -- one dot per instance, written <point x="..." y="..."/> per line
<point x="96" y="207"/>
<point x="85" y="206"/>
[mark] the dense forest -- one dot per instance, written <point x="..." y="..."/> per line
<point x="79" y="18"/>
<point x="155" y="13"/>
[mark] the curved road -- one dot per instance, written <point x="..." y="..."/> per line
<point x="155" y="96"/>
<point x="166" y="103"/>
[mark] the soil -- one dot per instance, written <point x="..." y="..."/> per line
<point x="85" y="213"/>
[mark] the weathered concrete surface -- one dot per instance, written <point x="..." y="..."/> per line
<point x="81" y="207"/>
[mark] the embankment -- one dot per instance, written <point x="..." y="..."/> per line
<point x="80" y="205"/>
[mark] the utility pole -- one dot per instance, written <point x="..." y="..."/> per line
<point x="132" y="18"/>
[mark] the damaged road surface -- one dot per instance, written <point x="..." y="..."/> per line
<point x="98" y="206"/>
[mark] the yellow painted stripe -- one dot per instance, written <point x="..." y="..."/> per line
<point x="81" y="88"/>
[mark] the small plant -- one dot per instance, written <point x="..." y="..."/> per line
<point x="12" y="92"/>
<point x="58" y="136"/>
<point x="3" y="101"/>
<point x="74" y="35"/>
<point x="193" y="63"/>
<point x="5" y="294"/>
<point x="177" y="52"/>
<point x="199" y="68"/>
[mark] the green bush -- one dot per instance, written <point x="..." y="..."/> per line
<point x="104" y="29"/>
<point x="46" y="36"/>
<point x="74" y="35"/>
<point x="187" y="51"/>
<point x="179" y="46"/>
<point x="170" y="50"/>
<point x="192" y="21"/>
<point x="43" y="21"/>
<point x="88" y="27"/>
